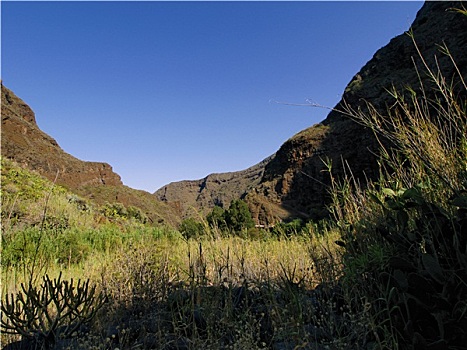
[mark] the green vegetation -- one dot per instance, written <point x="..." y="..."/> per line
<point x="119" y="211"/>
<point x="190" y="228"/>
<point x="388" y="269"/>
<point x="51" y="237"/>
<point x="237" y="218"/>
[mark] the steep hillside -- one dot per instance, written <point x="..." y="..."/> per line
<point x="188" y="197"/>
<point x="23" y="142"/>
<point x="294" y="183"/>
<point x="297" y="179"/>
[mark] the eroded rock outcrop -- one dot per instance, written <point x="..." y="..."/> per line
<point x="23" y="142"/>
<point x="192" y="196"/>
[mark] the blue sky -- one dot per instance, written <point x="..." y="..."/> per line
<point x="168" y="91"/>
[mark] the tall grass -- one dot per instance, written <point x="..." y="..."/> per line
<point x="161" y="288"/>
<point x="187" y="280"/>
<point x="405" y="235"/>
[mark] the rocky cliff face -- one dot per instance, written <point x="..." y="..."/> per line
<point x="23" y="142"/>
<point x="190" y="197"/>
<point x="295" y="182"/>
<point x="297" y="178"/>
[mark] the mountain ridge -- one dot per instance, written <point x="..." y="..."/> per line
<point x="214" y="189"/>
<point x="295" y="182"/>
<point x="25" y="143"/>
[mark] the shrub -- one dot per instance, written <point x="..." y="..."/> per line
<point x="114" y="211"/>
<point x="56" y="309"/>
<point x="21" y="247"/>
<point x="238" y="216"/>
<point x="117" y="211"/>
<point x="136" y="214"/>
<point x="70" y="247"/>
<point x="190" y="228"/>
<point x="293" y="227"/>
<point x="46" y="244"/>
<point x="216" y="218"/>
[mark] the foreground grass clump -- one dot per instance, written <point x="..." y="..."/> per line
<point x="405" y="237"/>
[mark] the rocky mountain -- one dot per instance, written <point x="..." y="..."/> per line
<point x="295" y="182"/>
<point x="292" y="183"/>
<point x="191" y="196"/>
<point x="23" y="142"/>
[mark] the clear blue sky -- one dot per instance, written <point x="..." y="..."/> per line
<point x="167" y="91"/>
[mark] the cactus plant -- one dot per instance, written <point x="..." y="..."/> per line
<point x="57" y="308"/>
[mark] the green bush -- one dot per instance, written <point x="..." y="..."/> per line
<point x="47" y="245"/>
<point x="238" y="216"/>
<point x="22" y="246"/>
<point x="117" y="211"/>
<point x="70" y="247"/>
<point x="190" y="228"/>
<point x="216" y="218"/>
<point x="136" y="214"/>
<point x="290" y="228"/>
<point x="114" y="211"/>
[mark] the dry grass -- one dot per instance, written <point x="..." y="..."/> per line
<point x="216" y="293"/>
